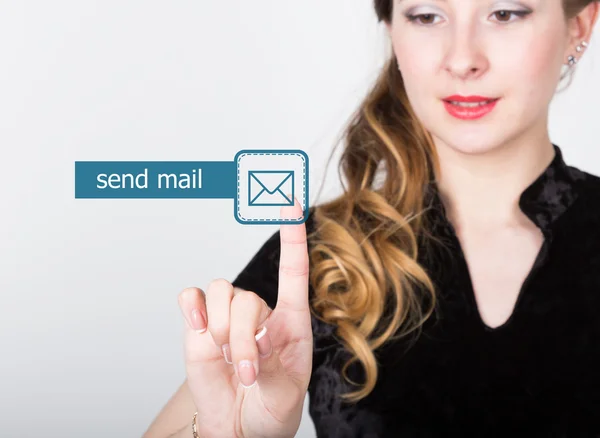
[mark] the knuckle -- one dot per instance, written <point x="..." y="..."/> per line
<point x="219" y="283"/>
<point x="247" y="301"/>
<point x="218" y="291"/>
<point x="294" y="271"/>
<point x="188" y="292"/>
<point x="298" y="241"/>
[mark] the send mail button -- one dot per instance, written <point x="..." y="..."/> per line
<point x="268" y="180"/>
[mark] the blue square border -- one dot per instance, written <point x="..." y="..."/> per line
<point x="265" y="221"/>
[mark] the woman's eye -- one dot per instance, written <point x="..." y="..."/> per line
<point x="413" y="18"/>
<point x="505" y="13"/>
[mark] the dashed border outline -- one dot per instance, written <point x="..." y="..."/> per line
<point x="239" y="157"/>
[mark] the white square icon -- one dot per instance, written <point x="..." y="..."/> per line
<point x="268" y="180"/>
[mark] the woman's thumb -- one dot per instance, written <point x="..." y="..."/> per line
<point x="279" y="393"/>
<point x="263" y="342"/>
<point x="269" y="363"/>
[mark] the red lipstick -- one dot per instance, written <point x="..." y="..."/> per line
<point x="477" y="106"/>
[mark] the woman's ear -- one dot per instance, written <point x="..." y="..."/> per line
<point x="582" y="25"/>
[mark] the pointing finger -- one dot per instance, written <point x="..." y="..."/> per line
<point x="293" y="261"/>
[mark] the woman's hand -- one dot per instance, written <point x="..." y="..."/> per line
<point x="272" y="406"/>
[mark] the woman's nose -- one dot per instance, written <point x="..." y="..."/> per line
<point x="465" y="57"/>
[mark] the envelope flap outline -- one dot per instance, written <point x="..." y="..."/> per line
<point x="271" y="180"/>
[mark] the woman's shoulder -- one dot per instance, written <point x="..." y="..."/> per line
<point x="580" y="226"/>
<point x="588" y="196"/>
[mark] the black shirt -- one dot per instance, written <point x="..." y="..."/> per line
<point x="536" y="375"/>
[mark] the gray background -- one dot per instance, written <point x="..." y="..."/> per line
<point x="90" y="330"/>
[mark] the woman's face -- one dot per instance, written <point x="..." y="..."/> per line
<point x="507" y="49"/>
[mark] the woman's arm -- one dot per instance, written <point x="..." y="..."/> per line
<point x="175" y="416"/>
<point x="186" y="432"/>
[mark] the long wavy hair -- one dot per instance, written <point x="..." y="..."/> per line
<point x="363" y="249"/>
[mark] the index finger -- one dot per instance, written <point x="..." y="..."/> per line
<point x="293" y="261"/>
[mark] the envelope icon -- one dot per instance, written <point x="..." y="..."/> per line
<point x="270" y="187"/>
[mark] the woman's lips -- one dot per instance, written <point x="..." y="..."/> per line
<point x="470" y="113"/>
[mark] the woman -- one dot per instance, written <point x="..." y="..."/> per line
<point x="460" y="294"/>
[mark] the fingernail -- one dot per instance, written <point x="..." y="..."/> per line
<point x="198" y="322"/>
<point x="263" y="342"/>
<point x="246" y="373"/>
<point x="226" y="353"/>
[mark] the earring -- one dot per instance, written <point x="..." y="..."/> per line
<point x="571" y="59"/>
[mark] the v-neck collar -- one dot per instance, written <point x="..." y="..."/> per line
<point x="543" y="201"/>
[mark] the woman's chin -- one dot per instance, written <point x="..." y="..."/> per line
<point x="469" y="144"/>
